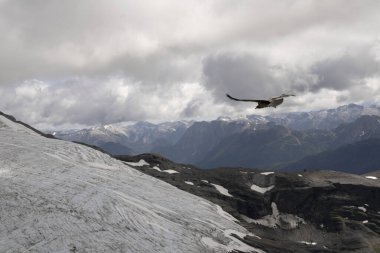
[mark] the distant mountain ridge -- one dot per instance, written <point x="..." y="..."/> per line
<point x="323" y="119"/>
<point x="253" y="141"/>
<point x="263" y="146"/>
<point x="142" y="136"/>
<point x="358" y="158"/>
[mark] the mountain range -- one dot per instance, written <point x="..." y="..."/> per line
<point x="268" y="142"/>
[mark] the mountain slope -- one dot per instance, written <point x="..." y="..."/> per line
<point x="116" y="149"/>
<point x="319" y="211"/>
<point x="201" y="138"/>
<point x="264" y="148"/>
<point x="359" y="158"/>
<point x="58" y="196"/>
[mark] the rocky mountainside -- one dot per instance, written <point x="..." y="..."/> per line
<point x="320" y="211"/>
<point x="359" y="157"/>
<point x="59" y="196"/>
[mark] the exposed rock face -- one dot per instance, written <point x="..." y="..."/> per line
<point x="321" y="211"/>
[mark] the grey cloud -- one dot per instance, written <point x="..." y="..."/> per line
<point x="344" y="72"/>
<point x="155" y="46"/>
<point x="78" y="101"/>
<point x="192" y="109"/>
<point x="245" y="75"/>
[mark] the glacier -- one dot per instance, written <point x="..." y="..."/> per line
<point x="59" y="196"/>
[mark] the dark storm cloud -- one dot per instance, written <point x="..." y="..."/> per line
<point x="344" y="72"/>
<point x="239" y="74"/>
<point x="249" y="76"/>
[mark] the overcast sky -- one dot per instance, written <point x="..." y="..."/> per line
<point x="88" y="62"/>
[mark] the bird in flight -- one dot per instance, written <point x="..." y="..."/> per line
<point x="272" y="102"/>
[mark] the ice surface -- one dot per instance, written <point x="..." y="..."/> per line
<point x="7" y="123"/>
<point x="58" y="196"/>
<point x="222" y="190"/>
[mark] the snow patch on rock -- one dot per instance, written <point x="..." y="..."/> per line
<point x="308" y="243"/>
<point x="267" y="173"/>
<point x="222" y="190"/>
<point x="170" y="171"/>
<point x="261" y="190"/>
<point x="156" y="168"/>
<point x="138" y="164"/>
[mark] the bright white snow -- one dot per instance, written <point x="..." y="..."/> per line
<point x="222" y="190"/>
<point x="308" y="243"/>
<point x="138" y="164"/>
<point x="189" y="183"/>
<point x="267" y="173"/>
<point x="61" y="196"/>
<point x="170" y="171"/>
<point x="261" y="189"/>
<point x="371" y="177"/>
<point x="156" y="168"/>
<point x="362" y="208"/>
<point x="205" y="181"/>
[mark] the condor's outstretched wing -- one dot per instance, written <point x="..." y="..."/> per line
<point x="263" y="102"/>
